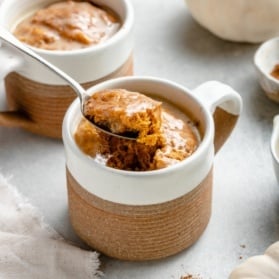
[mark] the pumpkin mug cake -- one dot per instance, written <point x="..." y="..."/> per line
<point x="91" y="41"/>
<point x="150" y="197"/>
<point x="68" y="25"/>
<point x="164" y="134"/>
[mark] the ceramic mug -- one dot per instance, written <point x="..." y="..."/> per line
<point x="274" y="146"/>
<point x="149" y="215"/>
<point x="36" y="98"/>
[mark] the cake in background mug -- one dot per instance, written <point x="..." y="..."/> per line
<point x="37" y="99"/>
<point x="68" y="25"/>
<point x="152" y="214"/>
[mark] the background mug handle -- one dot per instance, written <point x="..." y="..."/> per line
<point x="224" y="103"/>
<point x="12" y="60"/>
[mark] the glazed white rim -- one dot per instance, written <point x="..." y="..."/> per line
<point x="204" y="145"/>
<point x="146" y="187"/>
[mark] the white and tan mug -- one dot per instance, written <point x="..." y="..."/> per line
<point x="37" y="99"/>
<point x="151" y="214"/>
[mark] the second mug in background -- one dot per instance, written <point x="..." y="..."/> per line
<point x="36" y="98"/>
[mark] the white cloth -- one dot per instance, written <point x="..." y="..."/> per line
<point x="30" y="249"/>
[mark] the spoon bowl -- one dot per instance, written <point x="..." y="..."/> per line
<point x="82" y="94"/>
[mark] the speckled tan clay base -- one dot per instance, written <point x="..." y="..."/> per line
<point x="46" y="104"/>
<point x="224" y="123"/>
<point x="138" y="233"/>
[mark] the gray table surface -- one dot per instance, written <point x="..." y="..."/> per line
<point x="245" y="217"/>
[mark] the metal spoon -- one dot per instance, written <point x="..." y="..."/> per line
<point x="9" y="39"/>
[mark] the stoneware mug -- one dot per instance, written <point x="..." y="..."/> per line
<point x="274" y="146"/>
<point x="151" y="214"/>
<point x="37" y="99"/>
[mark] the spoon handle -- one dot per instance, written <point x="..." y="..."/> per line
<point x="9" y="39"/>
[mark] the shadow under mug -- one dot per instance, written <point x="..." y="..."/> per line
<point x="36" y="98"/>
<point x="151" y="214"/>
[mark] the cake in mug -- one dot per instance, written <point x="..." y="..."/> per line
<point x="124" y="112"/>
<point x="165" y="134"/>
<point x="68" y="25"/>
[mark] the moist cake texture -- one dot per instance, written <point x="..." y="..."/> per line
<point x="68" y="25"/>
<point x="125" y="112"/>
<point x="166" y="134"/>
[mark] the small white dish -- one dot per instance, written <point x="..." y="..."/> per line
<point x="274" y="145"/>
<point x="265" y="59"/>
<point x="264" y="266"/>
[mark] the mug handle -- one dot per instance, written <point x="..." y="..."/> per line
<point x="224" y="103"/>
<point x="12" y="60"/>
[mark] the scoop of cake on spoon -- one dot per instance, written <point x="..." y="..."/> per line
<point x="126" y="113"/>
